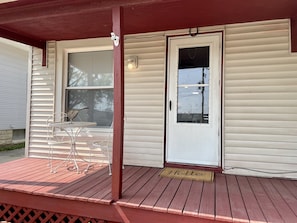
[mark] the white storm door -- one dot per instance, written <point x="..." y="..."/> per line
<point x="194" y="100"/>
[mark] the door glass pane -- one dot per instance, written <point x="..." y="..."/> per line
<point x="193" y="85"/>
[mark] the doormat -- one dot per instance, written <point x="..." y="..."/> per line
<point x="188" y="174"/>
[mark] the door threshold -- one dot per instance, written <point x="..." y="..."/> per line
<point x="215" y="169"/>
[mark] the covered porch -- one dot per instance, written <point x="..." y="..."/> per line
<point x="30" y="193"/>
<point x="37" y="23"/>
<point x="257" y="58"/>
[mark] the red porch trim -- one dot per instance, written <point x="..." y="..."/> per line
<point x="26" y="40"/>
<point x="58" y="205"/>
<point x="48" y="9"/>
<point x="118" y="118"/>
<point x="294" y="34"/>
<point x="22" y="39"/>
<point x="137" y="215"/>
<point x="184" y="166"/>
<point x="44" y="56"/>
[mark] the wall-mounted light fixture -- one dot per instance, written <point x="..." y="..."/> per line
<point x="132" y="62"/>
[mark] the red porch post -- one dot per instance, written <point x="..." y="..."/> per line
<point x="118" y="127"/>
<point x="294" y="34"/>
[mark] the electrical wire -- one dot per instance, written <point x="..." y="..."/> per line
<point x="259" y="171"/>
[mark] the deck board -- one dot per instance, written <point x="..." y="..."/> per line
<point x="141" y="195"/>
<point x="167" y="196"/>
<point x="252" y="207"/>
<point x="283" y="208"/>
<point x="89" y="183"/>
<point x="74" y="182"/>
<point x="287" y="196"/>
<point x="179" y="200"/>
<point x="269" y="210"/>
<point x="228" y="199"/>
<point x="193" y="202"/>
<point x="20" y="179"/>
<point x="223" y="209"/>
<point x="154" y="195"/>
<point x="290" y="186"/>
<point x="53" y="184"/>
<point x="131" y="185"/>
<point x="44" y="179"/>
<point x="237" y="204"/>
<point x="130" y="192"/>
<point x="128" y="179"/>
<point x="207" y="205"/>
<point x="93" y="189"/>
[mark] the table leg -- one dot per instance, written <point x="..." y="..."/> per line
<point x="73" y="156"/>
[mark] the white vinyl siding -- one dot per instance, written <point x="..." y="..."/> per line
<point x="260" y="98"/>
<point x="44" y="90"/>
<point x="41" y="101"/>
<point x="144" y="101"/>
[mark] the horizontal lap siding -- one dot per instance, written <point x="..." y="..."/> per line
<point x="42" y="105"/>
<point x="144" y="101"/>
<point x="260" y="100"/>
<point x="41" y="100"/>
<point x="144" y="109"/>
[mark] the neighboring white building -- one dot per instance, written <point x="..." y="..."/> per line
<point x="13" y="90"/>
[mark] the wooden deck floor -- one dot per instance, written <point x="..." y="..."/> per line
<point x="146" y="196"/>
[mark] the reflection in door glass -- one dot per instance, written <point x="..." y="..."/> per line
<point x="193" y="85"/>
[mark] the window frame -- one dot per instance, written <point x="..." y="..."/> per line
<point x="75" y="46"/>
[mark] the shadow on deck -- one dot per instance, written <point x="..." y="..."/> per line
<point x="30" y="193"/>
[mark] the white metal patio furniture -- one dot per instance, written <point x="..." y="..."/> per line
<point x="103" y="142"/>
<point x="63" y="130"/>
<point x="73" y="130"/>
<point x="55" y="137"/>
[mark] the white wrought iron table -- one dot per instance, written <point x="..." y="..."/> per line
<point x="73" y="129"/>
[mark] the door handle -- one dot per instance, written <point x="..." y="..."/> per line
<point x="170" y="105"/>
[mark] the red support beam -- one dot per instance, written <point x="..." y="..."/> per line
<point x="118" y="118"/>
<point x="294" y="35"/>
<point x="26" y="40"/>
<point x="22" y="39"/>
<point x="44" y="56"/>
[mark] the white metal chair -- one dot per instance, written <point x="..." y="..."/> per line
<point x="104" y="143"/>
<point x="55" y="137"/>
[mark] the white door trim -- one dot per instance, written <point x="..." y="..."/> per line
<point x="214" y="40"/>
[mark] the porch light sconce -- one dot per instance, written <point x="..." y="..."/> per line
<point x="132" y="62"/>
<point x="115" y="39"/>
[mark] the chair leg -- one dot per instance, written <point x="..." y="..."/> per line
<point x="89" y="161"/>
<point x="109" y="164"/>
<point x="50" y="158"/>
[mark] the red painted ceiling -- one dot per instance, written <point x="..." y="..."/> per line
<point x="36" y="21"/>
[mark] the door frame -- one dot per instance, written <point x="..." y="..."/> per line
<point x="220" y="106"/>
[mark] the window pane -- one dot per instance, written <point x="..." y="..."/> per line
<point x="193" y="85"/>
<point x="90" y="69"/>
<point x="96" y="105"/>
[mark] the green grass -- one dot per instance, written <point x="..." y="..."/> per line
<point x="12" y="146"/>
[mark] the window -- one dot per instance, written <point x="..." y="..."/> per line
<point x="90" y="86"/>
